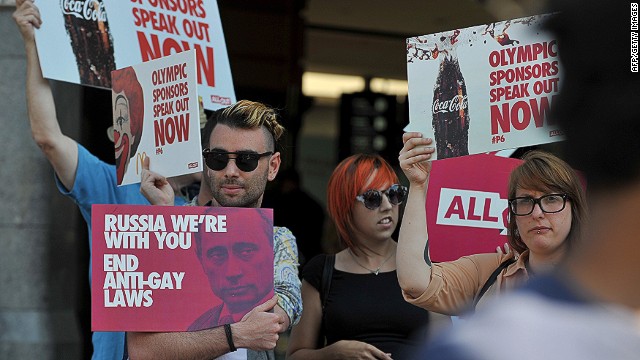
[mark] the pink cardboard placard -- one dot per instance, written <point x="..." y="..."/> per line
<point x="467" y="205"/>
<point x="177" y="268"/>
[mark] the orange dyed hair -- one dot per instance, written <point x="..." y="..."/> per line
<point x="352" y="177"/>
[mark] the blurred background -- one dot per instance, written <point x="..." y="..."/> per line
<point x="336" y="69"/>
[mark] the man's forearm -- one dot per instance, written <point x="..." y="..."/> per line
<point x="196" y="345"/>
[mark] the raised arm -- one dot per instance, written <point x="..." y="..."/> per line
<point x="60" y="150"/>
<point x="412" y="257"/>
<point x="258" y="330"/>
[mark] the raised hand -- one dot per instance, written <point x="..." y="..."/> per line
<point x="27" y="17"/>
<point x="154" y="186"/>
<point x="415" y="157"/>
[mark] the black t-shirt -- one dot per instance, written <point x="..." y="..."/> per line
<point x="369" y="308"/>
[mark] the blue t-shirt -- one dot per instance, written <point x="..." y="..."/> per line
<point x="96" y="183"/>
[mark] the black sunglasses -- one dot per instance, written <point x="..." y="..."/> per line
<point x="372" y="199"/>
<point x="246" y="161"/>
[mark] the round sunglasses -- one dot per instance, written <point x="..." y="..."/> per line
<point x="246" y="161"/>
<point x="372" y="199"/>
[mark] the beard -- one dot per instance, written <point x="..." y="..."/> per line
<point x="251" y="196"/>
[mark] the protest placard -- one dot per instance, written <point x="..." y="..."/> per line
<point x="82" y="41"/>
<point x="178" y="268"/>
<point x="484" y="88"/>
<point x="466" y="205"/>
<point x="156" y="115"/>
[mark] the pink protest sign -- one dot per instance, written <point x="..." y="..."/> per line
<point x="467" y="205"/>
<point x="173" y="268"/>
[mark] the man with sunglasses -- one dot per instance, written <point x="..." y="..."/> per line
<point x="240" y="155"/>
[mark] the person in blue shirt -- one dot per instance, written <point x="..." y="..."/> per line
<point x="79" y="174"/>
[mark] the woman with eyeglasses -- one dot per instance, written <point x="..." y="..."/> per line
<point x="360" y="313"/>
<point x="547" y="208"/>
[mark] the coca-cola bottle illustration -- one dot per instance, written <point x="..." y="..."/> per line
<point x="450" y="109"/>
<point x="91" y="41"/>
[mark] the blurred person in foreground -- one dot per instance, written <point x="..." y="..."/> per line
<point x="590" y="307"/>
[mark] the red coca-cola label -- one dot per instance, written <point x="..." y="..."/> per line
<point x="92" y="10"/>
<point x="457" y="103"/>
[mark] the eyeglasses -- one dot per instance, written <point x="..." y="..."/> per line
<point x="551" y="203"/>
<point x="245" y="161"/>
<point x="372" y="199"/>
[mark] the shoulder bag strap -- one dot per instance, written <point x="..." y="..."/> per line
<point x="327" y="273"/>
<point x="325" y="285"/>
<point x="491" y="280"/>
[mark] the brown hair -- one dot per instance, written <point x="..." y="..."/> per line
<point x="542" y="171"/>
<point x="348" y="181"/>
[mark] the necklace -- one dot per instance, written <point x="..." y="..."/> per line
<point x="377" y="270"/>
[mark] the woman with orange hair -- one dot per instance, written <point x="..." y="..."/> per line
<point x="360" y="312"/>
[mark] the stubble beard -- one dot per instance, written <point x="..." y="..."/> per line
<point x="253" y="191"/>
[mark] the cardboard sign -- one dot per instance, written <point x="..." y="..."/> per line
<point x="466" y="206"/>
<point x="82" y="41"/>
<point x="156" y="115"/>
<point x="484" y="88"/>
<point x="178" y="268"/>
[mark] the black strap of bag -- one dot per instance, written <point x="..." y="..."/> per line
<point x="325" y="285"/>
<point x="491" y="280"/>
<point x="327" y="273"/>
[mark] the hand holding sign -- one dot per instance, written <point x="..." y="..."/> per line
<point x="415" y="157"/>
<point x="262" y="324"/>
<point x="27" y="16"/>
<point x="154" y="186"/>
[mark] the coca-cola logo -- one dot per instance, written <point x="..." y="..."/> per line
<point x="92" y="10"/>
<point x="457" y="103"/>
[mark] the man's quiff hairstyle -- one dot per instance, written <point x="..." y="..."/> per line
<point x="246" y="114"/>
